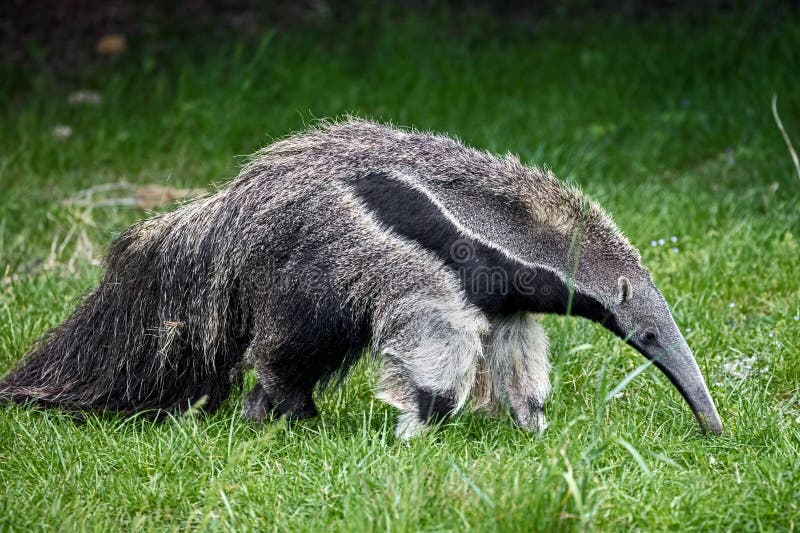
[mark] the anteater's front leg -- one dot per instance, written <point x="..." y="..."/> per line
<point x="430" y="349"/>
<point x="516" y="369"/>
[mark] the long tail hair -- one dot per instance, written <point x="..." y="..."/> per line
<point x="164" y="329"/>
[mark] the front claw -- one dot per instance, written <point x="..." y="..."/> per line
<point x="409" y="426"/>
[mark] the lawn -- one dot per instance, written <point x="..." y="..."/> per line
<point x="665" y="121"/>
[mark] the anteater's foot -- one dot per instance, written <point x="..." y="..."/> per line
<point x="532" y="417"/>
<point x="260" y="405"/>
<point x="256" y="406"/>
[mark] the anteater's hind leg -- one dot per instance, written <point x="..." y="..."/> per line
<point x="256" y="404"/>
<point x="516" y="369"/>
<point x="286" y="379"/>
<point x="430" y="348"/>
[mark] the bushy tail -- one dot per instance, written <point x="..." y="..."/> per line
<point x="163" y="330"/>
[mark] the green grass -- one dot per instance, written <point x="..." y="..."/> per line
<point x="666" y="123"/>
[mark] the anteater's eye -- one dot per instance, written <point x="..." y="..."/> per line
<point x="650" y="335"/>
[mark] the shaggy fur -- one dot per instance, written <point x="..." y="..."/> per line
<point x="348" y="236"/>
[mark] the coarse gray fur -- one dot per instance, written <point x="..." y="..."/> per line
<point x="306" y="258"/>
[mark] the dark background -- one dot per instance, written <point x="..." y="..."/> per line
<point x="62" y="34"/>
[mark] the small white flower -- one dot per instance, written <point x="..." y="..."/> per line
<point x="661" y="242"/>
<point x="771" y="335"/>
<point x="712" y="459"/>
<point x="675" y="250"/>
<point x="688" y="330"/>
<point x="85" y="97"/>
<point x="731" y="305"/>
<point x="62" y="132"/>
<point x="740" y="368"/>
<point x="653" y="243"/>
<point x="796" y="317"/>
<point x="673" y="238"/>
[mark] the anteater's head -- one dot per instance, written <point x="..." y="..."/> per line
<point x="639" y="314"/>
<point x="611" y="286"/>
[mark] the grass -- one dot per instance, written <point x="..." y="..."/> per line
<point x="666" y="122"/>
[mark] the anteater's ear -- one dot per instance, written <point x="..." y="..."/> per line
<point x="623" y="290"/>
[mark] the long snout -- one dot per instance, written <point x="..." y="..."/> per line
<point x="679" y="365"/>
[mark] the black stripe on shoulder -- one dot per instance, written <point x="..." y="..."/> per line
<point x="490" y="279"/>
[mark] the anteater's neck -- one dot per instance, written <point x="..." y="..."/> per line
<point x="492" y="278"/>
